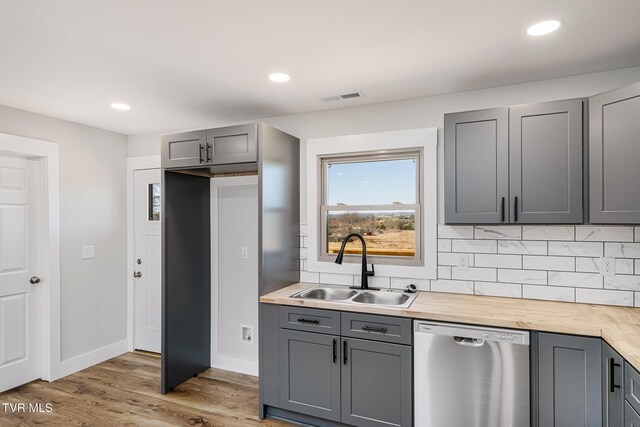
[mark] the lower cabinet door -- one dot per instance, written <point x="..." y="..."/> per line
<point x="631" y="417"/>
<point x="310" y="373"/>
<point x="612" y="381"/>
<point x="377" y="387"/>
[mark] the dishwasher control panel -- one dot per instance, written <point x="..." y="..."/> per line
<point x="510" y="336"/>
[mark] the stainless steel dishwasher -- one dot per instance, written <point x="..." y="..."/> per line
<point x="467" y="376"/>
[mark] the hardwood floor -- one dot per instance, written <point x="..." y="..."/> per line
<point x="124" y="391"/>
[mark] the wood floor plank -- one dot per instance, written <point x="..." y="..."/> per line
<point x="125" y="391"/>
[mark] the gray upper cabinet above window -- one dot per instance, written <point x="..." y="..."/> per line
<point x="184" y="149"/>
<point x="476" y="171"/>
<point x="614" y="156"/>
<point x="234" y="144"/>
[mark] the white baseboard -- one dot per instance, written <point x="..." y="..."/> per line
<point x="83" y="361"/>
<point x="233" y="364"/>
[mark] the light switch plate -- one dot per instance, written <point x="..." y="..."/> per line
<point x="607" y="267"/>
<point x="88" y="252"/>
<point x="244" y="252"/>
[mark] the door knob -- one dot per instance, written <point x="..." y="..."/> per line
<point x="34" y="280"/>
<point x="137" y="274"/>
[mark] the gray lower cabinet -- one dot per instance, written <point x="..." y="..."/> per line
<point x="310" y="373"/>
<point x="631" y="417"/>
<point x="184" y="149"/>
<point x="569" y="381"/>
<point x="545" y="162"/>
<point x="632" y="387"/>
<point x="376" y="383"/>
<point x="476" y="171"/>
<point x="614" y="155"/>
<point x="612" y="392"/>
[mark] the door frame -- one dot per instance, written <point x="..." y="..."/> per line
<point x="47" y="154"/>
<point x="133" y="164"/>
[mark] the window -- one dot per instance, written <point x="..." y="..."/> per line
<point x="154" y="202"/>
<point x="376" y="195"/>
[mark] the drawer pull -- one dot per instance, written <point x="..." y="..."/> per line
<point x="311" y="321"/>
<point x="372" y="329"/>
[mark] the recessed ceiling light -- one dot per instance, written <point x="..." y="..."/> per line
<point x="279" y="77"/>
<point x="544" y="27"/>
<point x="120" y="106"/>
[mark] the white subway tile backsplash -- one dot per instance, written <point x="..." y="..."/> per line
<point x="444" y="245"/>
<point x="498" y="232"/>
<point x="551" y="293"/>
<point x="622" y="250"/>
<point x="336" y="279"/>
<point x="444" y="272"/>
<point x="381" y="282"/>
<point x="304" y="252"/>
<point x="604" y="296"/>
<point x="474" y="273"/>
<point x="447" y="258"/>
<point x="512" y="290"/>
<point x="585" y="249"/>
<point x="475" y="246"/>
<point x="637" y="266"/>
<point x="403" y="282"/>
<point x="522" y="247"/>
<point x="455" y="232"/>
<point x="592" y="265"/>
<point x="624" y="266"/>
<point x="452" y="286"/>
<point x="308" y="277"/>
<point x="548" y="232"/>
<point x="637" y="299"/>
<point x="637" y="234"/>
<point x="630" y="283"/>
<point x="558" y="263"/>
<point x="531" y="277"/>
<point x="498" y="261"/>
<point x="604" y="233"/>
<point x="575" y="280"/>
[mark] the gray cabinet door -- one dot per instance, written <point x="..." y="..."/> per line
<point x="632" y="386"/>
<point x="377" y="387"/>
<point x="233" y="144"/>
<point x="614" y="156"/>
<point x="310" y="373"/>
<point x="570" y="381"/>
<point x="631" y="417"/>
<point x="612" y="393"/>
<point x="545" y="150"/>
<point x="476" y="156"/>
<point x="184" y="149"/>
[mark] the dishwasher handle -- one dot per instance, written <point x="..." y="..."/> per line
<point x="469" y="342"/>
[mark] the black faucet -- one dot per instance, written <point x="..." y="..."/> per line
<point x="364" y="283"/>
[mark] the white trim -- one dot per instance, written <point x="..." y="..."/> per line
<point x="133" y="164"/>
<point x="93" y="357"/>
<point x="47" y="153"/>
<point x="220" y="360"/>
<point x="426" y="138"/>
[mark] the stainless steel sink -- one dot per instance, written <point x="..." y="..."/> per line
<point x="386" y="297"/>
<point x="381" y="298"/>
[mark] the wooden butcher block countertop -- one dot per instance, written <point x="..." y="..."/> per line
<point x="619" y="326"/>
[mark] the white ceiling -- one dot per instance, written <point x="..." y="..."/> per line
<point x="188" y="64"/>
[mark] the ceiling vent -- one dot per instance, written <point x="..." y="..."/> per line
<point x="343" y="96"/>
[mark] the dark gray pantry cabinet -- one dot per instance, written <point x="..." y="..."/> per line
<point x="522" y="164"/>
<point x="329" y="367"/>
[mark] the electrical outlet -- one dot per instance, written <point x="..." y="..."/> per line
<point x="462" y="263"/>
<point x="246" y="334"/>
<point x="88" y="252"/>
<point x="607" y="267"/>
<point x="244" y="252"/>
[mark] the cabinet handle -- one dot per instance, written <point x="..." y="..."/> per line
<point x="372" y="329"/>
<point x="344" y="352"/>
<point x="335" y="350"/>
<point x="612" y="367"/>
<point x="515" y="209"/>
<point x="201" y="153"/>
<point x="209" y="152"/>
<point x="313" y="321"/>
<point x="503" y="215"/>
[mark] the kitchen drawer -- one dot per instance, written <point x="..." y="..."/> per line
<point x="378" y="328"/>
<point x="632" y="386"/>
<point x="631" y="417"/>
<point x="310" y="319"/>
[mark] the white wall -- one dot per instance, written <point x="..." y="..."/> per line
<point x="92" y="212"/>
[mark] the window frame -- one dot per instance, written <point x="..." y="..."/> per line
<point x="417" y="154"/>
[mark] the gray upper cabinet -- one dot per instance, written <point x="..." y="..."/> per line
<point x="614" y="156"/>
<point x="476" y="156"/>
<point x="376" y="383"/>
<point x="569" y="381"/>
<point x="612" y="393"/>
<point x="184" y="149"/>
<point x="234" y="144"/>
<point x="545" y="149"/>
<point x="310" y="373"/>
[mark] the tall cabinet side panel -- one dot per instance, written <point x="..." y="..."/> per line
<point x="186" y="278"/>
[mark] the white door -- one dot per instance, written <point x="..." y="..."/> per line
<point x="147" y="260"/>
<point x="20" y="295"/>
